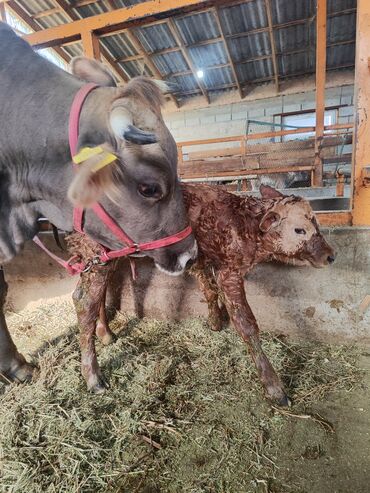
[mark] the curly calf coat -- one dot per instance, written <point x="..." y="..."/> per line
<point x="233" y="234"/>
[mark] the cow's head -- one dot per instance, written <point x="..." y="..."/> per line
<point x="140" y="189"/>
<point x="291" y="233"/>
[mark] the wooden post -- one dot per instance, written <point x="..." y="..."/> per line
<point x="361" y="141"/>
<point x="320" y="88"/>
<point x="91" y="45"/>
<point x="2" y="11"/>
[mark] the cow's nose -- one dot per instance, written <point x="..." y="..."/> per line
<point x="331" y="259"/>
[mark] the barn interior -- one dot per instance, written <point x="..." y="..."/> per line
<point x="262" y="92"/>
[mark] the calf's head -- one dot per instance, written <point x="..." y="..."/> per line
<point x="140" y="189"/>
<point x="290" y="232"/>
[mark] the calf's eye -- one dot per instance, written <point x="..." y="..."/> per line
<point x="300" y="231"/>
<point x="150" y="190"/>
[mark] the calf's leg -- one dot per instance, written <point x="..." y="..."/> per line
<point x="88" y="298"/>
<point x="103" y="332"/>
<point x="13" y="365"/>
<point x="241" y="315"/>
<point x="209" y="288"/>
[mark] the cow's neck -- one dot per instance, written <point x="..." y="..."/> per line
<point x="35" y="165"/>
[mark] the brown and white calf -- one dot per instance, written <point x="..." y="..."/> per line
<point x="234" y="234"/>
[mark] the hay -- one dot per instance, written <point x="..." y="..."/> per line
<point x="185" y="412"/>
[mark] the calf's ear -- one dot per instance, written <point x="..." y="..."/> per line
<point x="269" y="221"/>
<point x="268" y="192"/>
<point x="91" y="70"/>
<point x="91" y="181"/>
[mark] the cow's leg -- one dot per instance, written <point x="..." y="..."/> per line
<point x="88" y="297"/>
<point x="241" y="315"/>
<point x="13" y="365"/>
<point x="103" y="332"/>
<point x="209" y="288"/>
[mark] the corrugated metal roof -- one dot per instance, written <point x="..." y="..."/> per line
<point x="248" y="72"/>
<point x="251" y="46"/>
<point x="286" y="11"/>
<point x="119" y="46"/>
<point x="206" y="56"/>
<point x="292" y="38"/>
<point x="198" y="27"/>
<point x="341" y="28"/>
<point x="155" y="38"/>
<point x="170" y="63"/>
<point x="295" y="44"/>
<point x="244" y="17"/>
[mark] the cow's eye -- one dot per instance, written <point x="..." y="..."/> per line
<point x="150" y="190"/>
<point x="300" y="231"/>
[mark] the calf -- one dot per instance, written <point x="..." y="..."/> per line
<point x="233" y="234"/>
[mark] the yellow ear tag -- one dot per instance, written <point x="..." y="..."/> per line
<point x="88" y="152"/>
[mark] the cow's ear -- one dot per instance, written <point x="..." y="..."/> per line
<point x="92" y="181"/>
<point x="91" y="70"/>
<point x="270" y="220"/>
<point x="268" y="192"/>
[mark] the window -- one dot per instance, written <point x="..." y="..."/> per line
<point x="308" y="119"/>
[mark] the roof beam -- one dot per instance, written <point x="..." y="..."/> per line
<point x="231" y="61"/>
<point x="136" y="43"/>
<point x="110" y="21"/>
<point x="141" y="51"/>
<point x="177" y="37"/>
<point x="22" y="14"/>
<point x="272" y="43"/>
<point x="90" y="42"/>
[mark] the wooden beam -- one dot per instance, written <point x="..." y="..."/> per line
<point x="343" y="218"/>
<point x="180" y="43"/>
<point x="232" y="65"/>
<point x="91" y="45"/>
<point x="22" y="14"/>
<point x="320" y="88"/>
<point x="272" y="43"/>
<point x="2" y="12"/>
<point x="136" y="43"/>
<point x="110" y="21"/>
<point x="361" y="148"/>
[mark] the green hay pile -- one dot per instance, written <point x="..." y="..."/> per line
<point x="185" y="412"/>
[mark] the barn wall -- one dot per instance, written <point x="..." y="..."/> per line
<point x="228" y="119"/>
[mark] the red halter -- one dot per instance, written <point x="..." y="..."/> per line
<point x="73" y="265"/>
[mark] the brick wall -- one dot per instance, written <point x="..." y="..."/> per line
<point x="230" y="119"/>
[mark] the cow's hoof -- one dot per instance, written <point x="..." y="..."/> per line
<point x="20" y="372"/>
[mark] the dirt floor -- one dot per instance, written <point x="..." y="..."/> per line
<point x="185" y="413"/>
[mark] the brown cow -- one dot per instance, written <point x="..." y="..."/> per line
<point x="234" y="234"/>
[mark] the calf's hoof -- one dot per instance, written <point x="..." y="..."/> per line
<point x="97" y="384"/>
<point x="107" y="338"/>
<point x="105" y="335"/>
<point x="278" y="397"/>
<point x="19" y="371"/>
<point x="284" y="401"/>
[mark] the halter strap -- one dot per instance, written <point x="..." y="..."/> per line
<point x="73" y="265"/>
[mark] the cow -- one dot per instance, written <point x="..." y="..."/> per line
<point x="234" y="234"/>
<point x="139" y="189"/>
